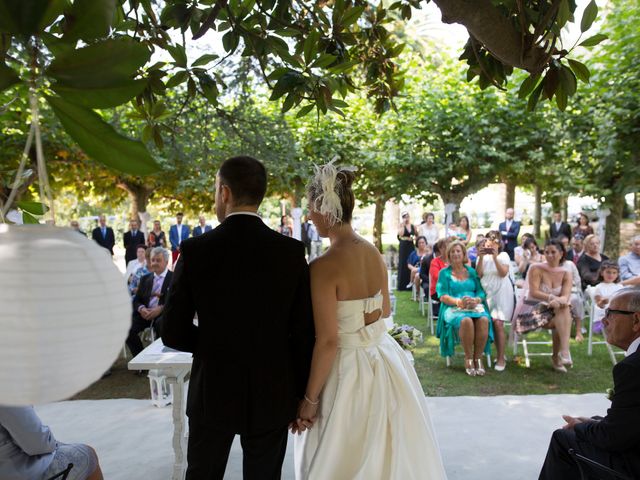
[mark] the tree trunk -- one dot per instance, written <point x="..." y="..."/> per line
<point x="378" y="217"/>
<point x="564" y="207"/>
<point x="456" y="199"/>
<point x="510" y="195"/>
<point x="139" y="196"/>
<point x="537" y="215"/>
<point x="615" y="203"/>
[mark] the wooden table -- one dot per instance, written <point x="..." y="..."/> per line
<point x="175" y="366"/>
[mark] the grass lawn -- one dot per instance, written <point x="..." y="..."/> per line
<point x="588" y="375"/>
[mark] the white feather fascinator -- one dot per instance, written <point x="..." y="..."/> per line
<point x="326" y="189"/>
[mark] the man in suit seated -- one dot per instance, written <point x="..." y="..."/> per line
<point x="148" y="303"/>
<point x="103" y="235"/>
<point x="614" y="440"/>
<point x="509" y="229"/>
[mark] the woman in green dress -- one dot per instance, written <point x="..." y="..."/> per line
<point x="464" y="315"/>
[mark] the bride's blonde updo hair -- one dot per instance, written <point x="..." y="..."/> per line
<point x="330" y="192"/>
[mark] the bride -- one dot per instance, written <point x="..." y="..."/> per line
<point x="364" y="405"/>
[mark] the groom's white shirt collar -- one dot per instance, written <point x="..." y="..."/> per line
<point x="254" y="214"/>
<point x="633" y="347"/>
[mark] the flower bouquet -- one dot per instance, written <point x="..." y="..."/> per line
<point x="406" y="336"/>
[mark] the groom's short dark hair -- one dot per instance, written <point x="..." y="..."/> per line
<point x="246" y="177"/>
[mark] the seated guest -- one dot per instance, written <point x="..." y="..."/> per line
<point x="604" y="291"/>
<point x="577" y="298"/>
<point x="134" y="265"/>
<point x="140" y="272"/>
<point x="493" y="270"/>
<point x="519" y="250"/>
<point x="565" y="243"/>
<point x="630" y="264"/>
<point x="589" y="263"/>
<point x="546" y="303"/>
<point x="415" y="257"/>
<point x="76" y="226"/>
<point x="582" y="229"/>
<point x="530" y="256"/>
<point x="28" y="450"/>
<point x="148" y="303"/>
<point x="614" y="440"/>
<point x="436" y="264"/>
<point x="464" y="317"/>
<point x="428" y="229"/>
<point x="576" y="249"/>
<point x="472" y="253"/>
<point x="156" y="236"/>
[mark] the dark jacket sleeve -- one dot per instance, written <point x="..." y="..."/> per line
<point x="302" y="328"/>
<point x="141" y="298"/>
<point x="618" y="431"/>
<point x="178" y="330"/>
<point x="514" y="232"/>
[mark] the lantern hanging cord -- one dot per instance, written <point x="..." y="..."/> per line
<point x="23" y="162"/>
<point x="45" y="188"/>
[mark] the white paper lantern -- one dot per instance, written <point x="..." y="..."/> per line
<point x="64" y="313"/>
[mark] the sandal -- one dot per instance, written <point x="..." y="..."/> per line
<point x="566" y="360"/>
<point x="469" y="368"/>
<point x="479" y="369"/>
<point x="558" y="367"/>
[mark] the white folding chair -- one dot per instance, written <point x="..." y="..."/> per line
<point x="426" y="300"/>
<point x="590" y="306"/>
<point x="521" y="340"/>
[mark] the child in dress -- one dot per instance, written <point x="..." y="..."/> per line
<point x="610" y="274"/>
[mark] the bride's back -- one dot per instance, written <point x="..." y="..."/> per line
<point x="356" y="267"/>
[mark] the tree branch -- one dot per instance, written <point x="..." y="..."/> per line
<point x="495" y="31"/>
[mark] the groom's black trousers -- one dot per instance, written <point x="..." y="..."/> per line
<point x="262" y="454"/>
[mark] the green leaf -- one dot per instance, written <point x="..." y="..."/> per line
<point x="351" y="16"/>
<point x="90" y="19"/>
<point x="593" y="41"/>
<point x="564" y="13"/>
<point x="580" y="69"/>
<point x="179" y="55"/>
<point x="304" y="110"/>
<point x="288" y="102"/>
<point x="589" y="16"/>
<point x="568" y="81"/>
<point x="100" y="141"/>
<point x="561" y="97"/>
<point x="534" y="97"/>
<point x="230" y="41"/>
<point x="104" y="64"/>
<point x="101" y="97"/>
<point x="311" y="46"/>
<point x="36" y="208"/>
<point x="177" y="79"/>
<point x="27" y="17"/>
<point x="29" y="219"/>
<point x="323" y="60"/>
<point x="285" y="84"/>
<point x="209" y="88"/>
<point x="8" y="76"/>
<point x="204" y="59"/>
<point x="528" y="85"/>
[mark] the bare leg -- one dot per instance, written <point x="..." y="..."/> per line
<point x="481" y="330"/>
<point x="498" y="329"/>
<point x="466" y="334"/>
<point x="562" y="322"/>
<point x="579" y="337"/>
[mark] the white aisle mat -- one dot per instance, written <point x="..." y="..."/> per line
<point x="480" y="437"/>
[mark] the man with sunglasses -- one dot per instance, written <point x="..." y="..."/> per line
<point x="613" y="441"/>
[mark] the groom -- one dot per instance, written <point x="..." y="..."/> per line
<point x="253" y="343"/>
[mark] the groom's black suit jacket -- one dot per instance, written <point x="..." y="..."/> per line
<point x="254" y="340"/>
<point x="619" y="431"/>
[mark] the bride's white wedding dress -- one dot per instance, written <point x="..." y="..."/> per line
<point x="373" y="421"/>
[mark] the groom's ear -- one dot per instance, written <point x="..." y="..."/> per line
<point x="225" y="194"/>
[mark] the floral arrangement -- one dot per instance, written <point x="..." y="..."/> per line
<point x="406" y="336"/>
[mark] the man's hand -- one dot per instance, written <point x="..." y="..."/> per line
<point x="573" y="421"/>
<point x="145" y="312"/>
<point x="155" y="312"/>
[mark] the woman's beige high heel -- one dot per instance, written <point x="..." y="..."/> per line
<point x="469" y="368"/>
<point x="558" y="366"/>
<point x="479" y="368"/>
